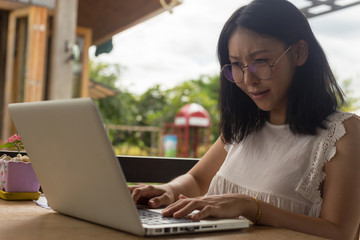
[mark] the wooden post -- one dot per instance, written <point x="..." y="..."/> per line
<point x="35" y="68"/>
<point x="60" y="84"/>
<point x="35" y="42"/>
<point x="6" y="124"/>
<point x="86" y="34"/>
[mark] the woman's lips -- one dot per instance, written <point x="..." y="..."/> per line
<point x="260" y="94"/>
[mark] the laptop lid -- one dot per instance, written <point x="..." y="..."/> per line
<point x="73" y="160"/>
<point x="79" y="173"/>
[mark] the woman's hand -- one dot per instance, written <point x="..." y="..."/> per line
<point x="153" y="195"/>
<point x="218" y="206"/>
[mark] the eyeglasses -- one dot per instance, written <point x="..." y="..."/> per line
<point x="260" y="69"/>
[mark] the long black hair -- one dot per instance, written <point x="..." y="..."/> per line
<point x="313" y="94"/>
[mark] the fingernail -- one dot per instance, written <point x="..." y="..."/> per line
<point x="195" y="216"/>
<point x="152" y="203"/>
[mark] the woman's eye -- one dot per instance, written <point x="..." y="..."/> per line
<point x="236" y="64"/>
<point x="261" y="60"/>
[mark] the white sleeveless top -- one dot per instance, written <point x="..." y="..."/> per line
<point x="281" y="168"/>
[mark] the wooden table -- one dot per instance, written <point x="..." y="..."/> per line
<point x="24" y="220"/>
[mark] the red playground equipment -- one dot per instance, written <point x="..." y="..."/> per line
<point x="189" y="132"/>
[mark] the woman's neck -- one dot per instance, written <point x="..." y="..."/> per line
<point x="277" y="117"/>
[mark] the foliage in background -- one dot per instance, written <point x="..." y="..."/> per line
<point x="116" y="109"/>
<point x="352" y="103"/>
<point x="153" y="108"/>
<point x="120" y="109"/>
<point x="157" y="106"/>
<point x="160" y="106"/>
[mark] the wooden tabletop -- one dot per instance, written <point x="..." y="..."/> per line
<point x="24" y="220"/>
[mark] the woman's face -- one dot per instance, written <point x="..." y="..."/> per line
<point x="270" y="95"/>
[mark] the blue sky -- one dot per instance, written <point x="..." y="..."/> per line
<point x="171" y="48"/>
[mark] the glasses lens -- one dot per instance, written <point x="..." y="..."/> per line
<point x="261" y="70"/>
<point x="226" y="70"/>
<point x="237" y="73"/>
<point x="252" y="67"/>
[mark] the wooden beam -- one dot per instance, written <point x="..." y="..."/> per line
<point x="31" y="36"/>
<point x="9" y="81"/>
<point x="61" y="69"/>
<point x="19" y="59"/>
<point x="133" y="128"/>
<point x="85" y="33"/>
<point x="36" y="49"/>
<point x="3" y="35"/>
<point x="10" y="5"/>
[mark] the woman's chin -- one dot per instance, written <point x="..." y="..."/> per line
<point x="264" y="108"/>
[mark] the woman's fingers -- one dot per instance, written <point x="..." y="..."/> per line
<point x="183" y="207"/>
<point x="162" y="200"/>
<point x="195" y="204"/>
<point x="169" y="210"/>
<point x="145" y="192"/>
<point x="133" y="187"/>
<point x="203" y="213"/>
<point x="154" y="196"/>
<point x="211" y="211"/>
<point x="230" y="205"/>
<point x="227" y="205"/>
<point x="181" y="196"/>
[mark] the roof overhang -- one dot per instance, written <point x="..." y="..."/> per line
<point x="98" y="90"/>
<point x="108" y="17"/>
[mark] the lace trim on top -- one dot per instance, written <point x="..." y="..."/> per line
<point x="221" y="185"/>
<point x="324" y="151"/>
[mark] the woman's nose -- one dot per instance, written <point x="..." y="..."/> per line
<point x="249" y="78"/>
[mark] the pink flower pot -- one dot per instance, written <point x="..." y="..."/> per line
<point x="17" y="177"/>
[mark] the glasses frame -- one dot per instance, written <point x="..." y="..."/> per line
<point x="228" y="68"/>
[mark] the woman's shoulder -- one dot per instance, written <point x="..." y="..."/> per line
<point x="346" y="137"/>
<point x="338" y="117"/>
<point x="352" y="123"/>
<point x="348" y="119"/>
<point x="338" y="123"/>
<point x="352" y="128"/>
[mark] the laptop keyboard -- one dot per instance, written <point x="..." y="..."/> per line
<point x="155" y="218"/>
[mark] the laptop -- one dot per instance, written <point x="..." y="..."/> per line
<point x="79" y="173"/>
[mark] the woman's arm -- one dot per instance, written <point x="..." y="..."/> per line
<point x="193" y="184"/>
<point x="340" y="214"/>
<point x="204" y="171"/>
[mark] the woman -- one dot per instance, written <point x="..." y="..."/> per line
<point x="286" y="157"/>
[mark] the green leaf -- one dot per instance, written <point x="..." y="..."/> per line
<point x="7" y="145"/>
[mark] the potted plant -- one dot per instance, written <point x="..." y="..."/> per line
<point x="17" y="178"/>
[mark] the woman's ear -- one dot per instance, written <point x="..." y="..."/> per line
<point x="301" y="51"/>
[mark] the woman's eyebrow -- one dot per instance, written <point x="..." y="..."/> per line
<point x="251" y="55"/>
<point x="234" y="57"/>
<point x="257" y="52"/>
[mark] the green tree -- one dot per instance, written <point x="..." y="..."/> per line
<point x="121" y="108"/>
<point x="161" y="106"/>
<point x="352" y="103"/>
<point x="204" y="91"/>
<point x="151" y="105"/>
<point x="157" y="106"/>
